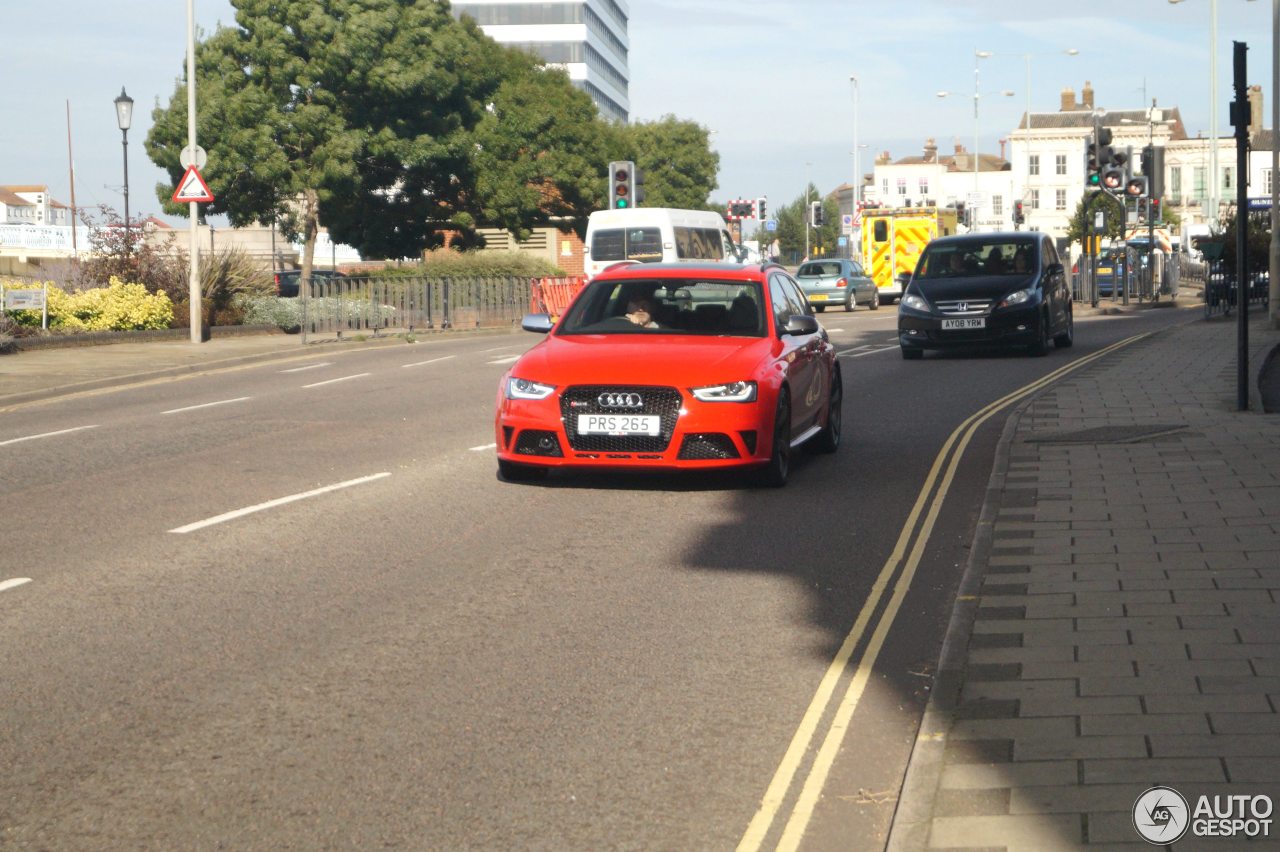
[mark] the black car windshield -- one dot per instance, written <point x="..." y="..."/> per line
<point x="640" y="244"/>
<point x="670" y="306"/>
<point x="997" y="256"/>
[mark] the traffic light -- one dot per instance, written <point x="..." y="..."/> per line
<point x="1155" y="209"/>
<point x="760" y="209"/>
<point x="1018" y="215"/>
<point x="816" y="216"/>
<point x="622" y="184"/>
<point x="1092" y="166"/>
<point x="1136" y="186"/>
<point x="742" y="209"/>
<point x="1153" y="168"/>
<point x="637" y="175"/>
<point x="961" y="214"/>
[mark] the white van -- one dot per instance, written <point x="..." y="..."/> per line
<point x="656" y="235"/>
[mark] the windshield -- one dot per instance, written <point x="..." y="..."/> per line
<point x="816" y="268"/>
<point x="642" y="244"/>
<point x="670" y="306"/>
<point x="977" y="257"/>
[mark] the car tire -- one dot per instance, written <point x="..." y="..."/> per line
<point x="819" y="308"/>
<point x="850" y="303"/>
<point x="1041" y="347"/>
<point x="516" y="472"/>
<point x="911" y="354"/>
<point x="1068" y="337"/>
<point x="776" y="472"/>
<point x="875" y="299"/>
<point x="828" y="440"/>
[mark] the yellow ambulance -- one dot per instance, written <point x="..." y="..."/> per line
<point x="894" y="237"/>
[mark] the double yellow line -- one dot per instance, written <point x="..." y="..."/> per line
<point x="906" y="556"/>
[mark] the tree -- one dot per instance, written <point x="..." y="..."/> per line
<point x="374" y="118"/>
<point x="1082" y="220"/>
<point x="677" y="161"/>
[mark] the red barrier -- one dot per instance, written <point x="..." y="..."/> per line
<point x="553" y="295"/>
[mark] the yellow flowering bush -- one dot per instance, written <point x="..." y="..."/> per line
<point x="119" y="306"/>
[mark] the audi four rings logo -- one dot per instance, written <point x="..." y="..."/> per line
<point x="620" y="400"/>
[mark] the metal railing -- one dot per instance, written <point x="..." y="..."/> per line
<point x="378" y="305"/>
<point x="1222" y="291"/>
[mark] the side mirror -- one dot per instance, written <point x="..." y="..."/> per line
<point x="801" y="324"/>
<point x="540" y="323"/>
<point x="1056" y="269"/>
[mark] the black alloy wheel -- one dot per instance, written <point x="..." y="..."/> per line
<point x="1068" y="337"/>
<point x="775" y="473"/>
<point x="828" y="440"/>
<point x="1041" y="347"/>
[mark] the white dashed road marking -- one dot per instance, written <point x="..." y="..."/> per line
<point x="206" y="405"/>
<point x="858" y="351"/>
<point x="308" y="367"/>
<point x="46" y="434"/>
<point x="432" y="361"/>
<point x="485" y="447"/>
<point x="271" y="504"/>
<point x="15" y="582"/>
<point x="511" y="360"/>
<point x="331" y="381"/>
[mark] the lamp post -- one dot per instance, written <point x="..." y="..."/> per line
<point x="1213" y="110"/>
<point x="855" y="189"/>
<point x="977" y="54"/>
<point x="124" y="117"/>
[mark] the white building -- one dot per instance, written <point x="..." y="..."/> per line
<point x="588" y="38"/>
<point x="983" y="184"/>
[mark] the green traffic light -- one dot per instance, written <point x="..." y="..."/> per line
<point x="622" y="202"/>
<point x="1094" y="179"/>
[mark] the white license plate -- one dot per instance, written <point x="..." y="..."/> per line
<point x="967" y="322"/>
<point x="619" y="424"/>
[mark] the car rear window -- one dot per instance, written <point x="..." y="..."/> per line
<point x="815" y="269"/>
<point x="678" y="306"/>
<point x="641" y="244"/>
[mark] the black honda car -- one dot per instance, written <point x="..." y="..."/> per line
<point x="982" y="290"/>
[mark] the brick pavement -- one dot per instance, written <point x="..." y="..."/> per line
<point x="1119" y="624"/>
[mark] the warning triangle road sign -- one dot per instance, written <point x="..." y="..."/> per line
<point x="192" y="187"/>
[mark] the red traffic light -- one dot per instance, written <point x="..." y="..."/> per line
<point x="621" y="175"/>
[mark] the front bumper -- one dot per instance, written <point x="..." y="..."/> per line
<point x="700" y="436"/>
<point x="1011" y="327"/>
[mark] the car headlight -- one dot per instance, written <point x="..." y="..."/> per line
<point x="731" y="392"/>
<point x="916" y="303"/>
<point x="525" y="389"/>
<point x="1017" y="297"/>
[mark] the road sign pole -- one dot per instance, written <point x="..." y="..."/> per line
<point x="193" y="286"/>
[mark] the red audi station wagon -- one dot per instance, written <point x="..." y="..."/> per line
<point x="677" y="366"/>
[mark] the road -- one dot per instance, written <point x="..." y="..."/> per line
<point x="292" y="606"/>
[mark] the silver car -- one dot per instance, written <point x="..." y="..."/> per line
<point x="837" y="281"/>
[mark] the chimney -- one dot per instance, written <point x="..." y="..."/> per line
<point x="1068" y="103"/>
<point x="959" y="148"/>
<point x="1086" y="95"/>
<point x="930" y="151"/>
<point x="883" y="159"/>
<point x="1255" y="109"/>
<point x="1002" y="141"/>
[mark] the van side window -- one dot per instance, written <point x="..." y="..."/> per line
<point x="881" y="230"/>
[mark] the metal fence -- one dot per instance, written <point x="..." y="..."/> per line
<point x="1222" y="292"/>
<point x="339" y="306"/>
<point x="1127" y="276"/>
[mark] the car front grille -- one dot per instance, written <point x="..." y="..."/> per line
<point x="964" y="307"/>
<point x="584" y="399"/>
<point x="538" y="442"/>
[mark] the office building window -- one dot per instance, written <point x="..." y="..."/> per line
<point x="902" y="186"/>
<point x="884" y="184"/>
<point x="1035" y="199"/>
<point x="1033" y="164"/>
<point x="1267" y="176"/>
<point x="1228" y="174"/>
<point x="1060" y="199"/>
<point x="1060" y="164"/>
<point x="997" y="205"/>
<point x="1199" y="176"/>
<point x="1175" y="183"/>
<point x="924" y="186"/>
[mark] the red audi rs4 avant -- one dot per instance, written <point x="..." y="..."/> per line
<point x="676" y="366"/>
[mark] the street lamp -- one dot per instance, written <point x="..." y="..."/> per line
<point x="1213" y="111"/>
<point x="124" y="117"/>
<point x="978" y="54"/>
<point x="855" y="189"/>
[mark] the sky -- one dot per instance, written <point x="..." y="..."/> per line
<point x="769" y="77"/>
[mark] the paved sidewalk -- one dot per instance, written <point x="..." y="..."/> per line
<point x="1118" y="626"/>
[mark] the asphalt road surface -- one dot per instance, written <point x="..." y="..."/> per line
<point x="293" y="606"/>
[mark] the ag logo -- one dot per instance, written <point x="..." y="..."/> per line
<point x="1160" y="815"/>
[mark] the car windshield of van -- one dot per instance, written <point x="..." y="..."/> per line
<point x="977" y="258"/>
<point x="670" y="306"/>
<point x="640" y="244"/>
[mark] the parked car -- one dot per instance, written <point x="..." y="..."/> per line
<point x="287" y="280"/>
<point x="837" y="281"/>
<point x="687" y="366"/>
<point x="999" y="289"/>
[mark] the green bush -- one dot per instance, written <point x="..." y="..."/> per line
<point x="120" y="306"/>
<point x="473" y="264"/>
<point x="285" y="314"/>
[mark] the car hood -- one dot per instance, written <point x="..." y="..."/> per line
<point x="978" y="287"/>
<point x="678" y="360"/>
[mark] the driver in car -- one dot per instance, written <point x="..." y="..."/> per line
<point x="640" y="312"/>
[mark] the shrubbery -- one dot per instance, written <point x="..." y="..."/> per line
<point x="489" y="264"/>
<point x="120" y="306"/>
